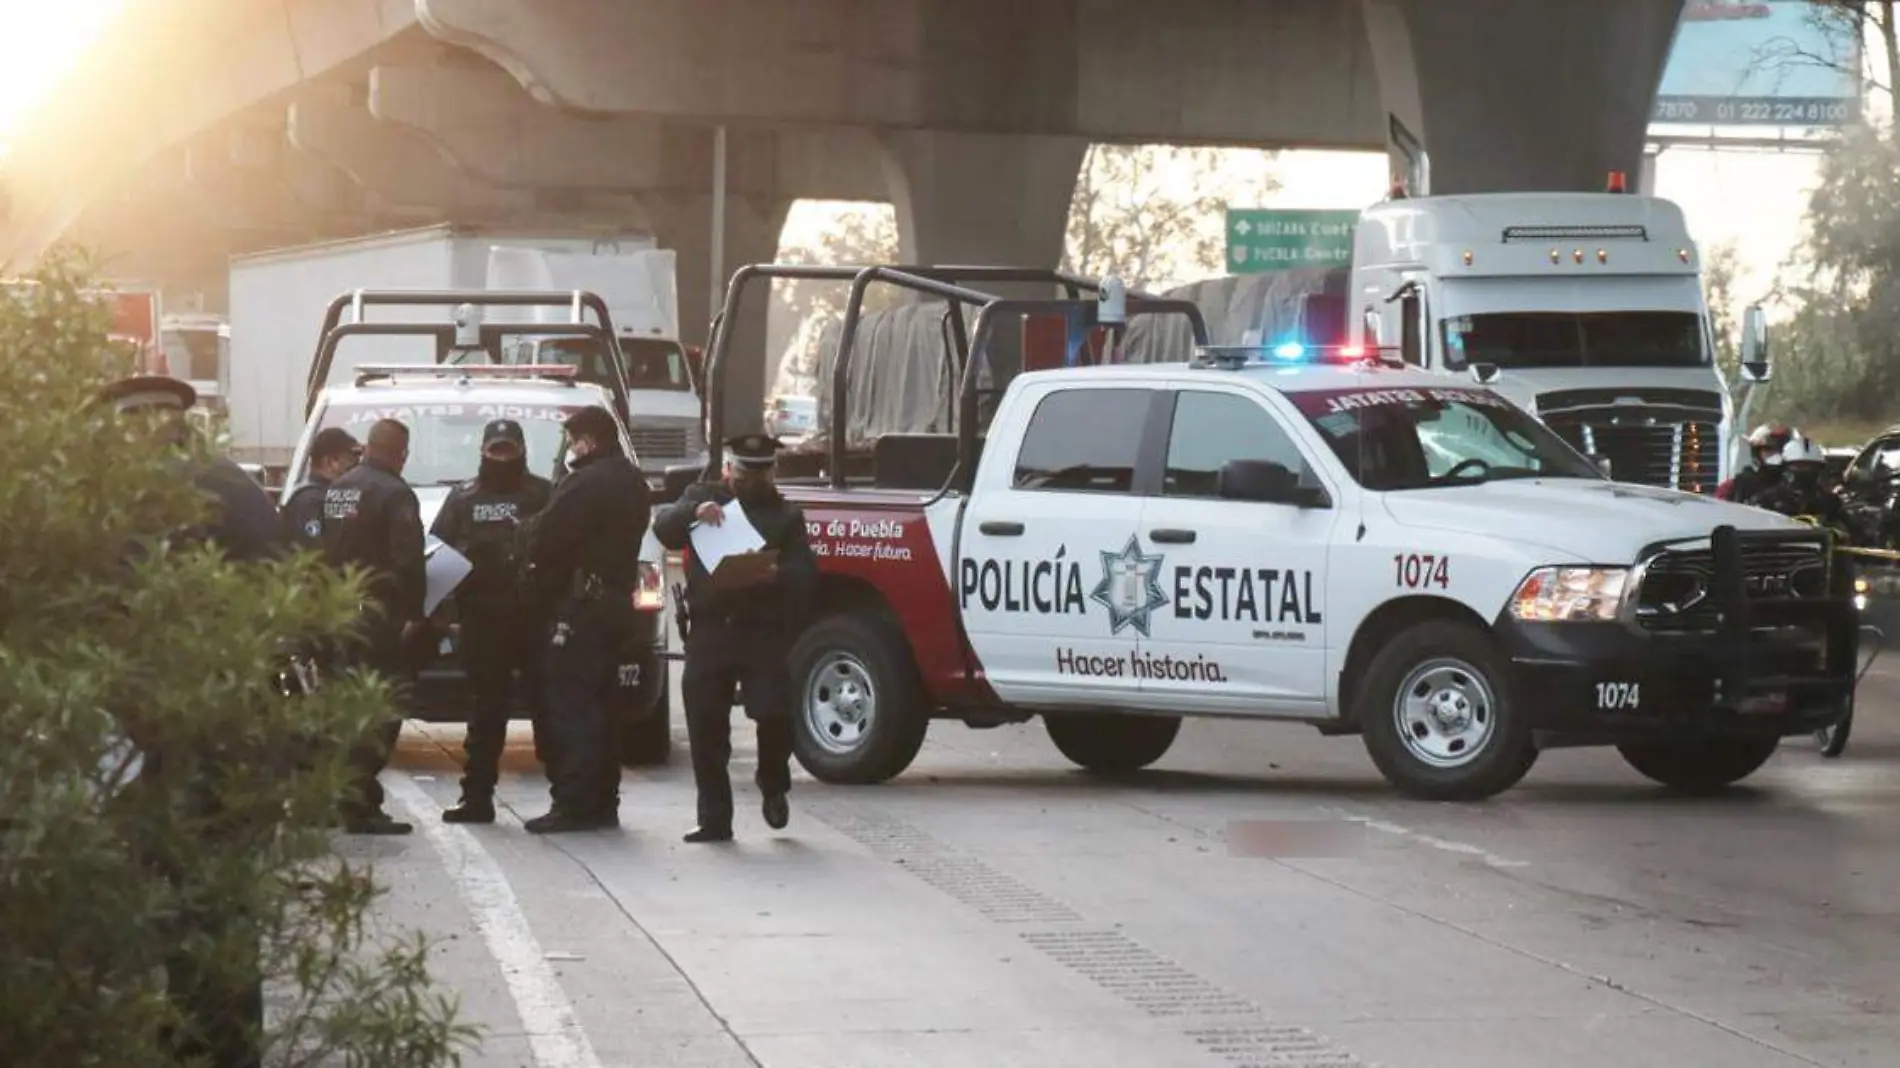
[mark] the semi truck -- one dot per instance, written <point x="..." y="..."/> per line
<point x="278" y="300"/>
<point x="1356" y="543"/>
<point x="1586" y="308"/>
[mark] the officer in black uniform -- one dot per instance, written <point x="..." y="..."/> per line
<point x="332" y="453"/>
<point x="583" y="568"/>
<point x="223" y="1015"/>
<point x="741" y="637"/>
<point x="371" y="519"/>
<point x="481" y="519"/>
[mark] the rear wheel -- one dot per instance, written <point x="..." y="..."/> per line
<point x="859" y="717"/>
<point x="1700" y="766"/>
<point x="1111" y="742"/>
<point x="1438" y="715"/>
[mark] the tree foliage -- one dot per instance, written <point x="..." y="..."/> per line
<point x="176" y="647"/>
<point x="1156" y="215"/>
<point x="859" y="233"/>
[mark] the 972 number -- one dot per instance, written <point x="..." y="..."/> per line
<point x="1418" y="570"/>
<point x="1618" y="696"/>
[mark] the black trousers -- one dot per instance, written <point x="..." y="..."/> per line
<point x="579" y="668"/>
<point x="719" y="657"/>
<point x="496" y="646"/>
<point x="381" y="652"/>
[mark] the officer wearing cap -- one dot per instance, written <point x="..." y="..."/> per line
<point x="583" y="568"/>
<point x="482" y="519"/>
<point x="333" y="452"/>
<point x="740" y="637"/>
<point x="372" y="520"/>
<point x="221" y="1017"/>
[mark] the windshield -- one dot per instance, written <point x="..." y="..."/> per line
<point x="1534" y="340"/>
<point x="192" y="354"/>
<point x="1403" y="439"/>
<point x="445" y="440"/>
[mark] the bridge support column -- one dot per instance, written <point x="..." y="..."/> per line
<point x="1552" y="95"/>
<point x="683" y="222"/>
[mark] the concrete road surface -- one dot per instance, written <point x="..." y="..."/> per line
<point x="1258" y="899"/>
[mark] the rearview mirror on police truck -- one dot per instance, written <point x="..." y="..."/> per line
<point x="1755" y="345"/>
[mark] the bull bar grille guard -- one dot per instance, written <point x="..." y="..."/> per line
<point x="1741" y="617"/>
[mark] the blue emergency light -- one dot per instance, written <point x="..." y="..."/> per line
<point x="1289" y="350"/>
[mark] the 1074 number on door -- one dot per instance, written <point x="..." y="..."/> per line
<point x="1416" y="571"/>
<point x="1619" y="696"/>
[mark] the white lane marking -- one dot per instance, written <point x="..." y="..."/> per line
<point x="554" y="1031"/>
<point x="1435" y="842"/>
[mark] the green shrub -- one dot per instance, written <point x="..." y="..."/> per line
<point x="180" y="648"/>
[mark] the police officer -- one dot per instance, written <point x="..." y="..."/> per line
<point x="222" y="1014"/>
<point x="481" y="519"/>
<point x="741" y="637"/>
<point x="371" y="519"/>
<point x="332" y="453"/>
<point x="583" y="567"/>
<point x="1802" y="489"/>
<point x="1765" y="444"/>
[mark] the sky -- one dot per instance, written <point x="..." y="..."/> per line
<point x="39" y="39"/>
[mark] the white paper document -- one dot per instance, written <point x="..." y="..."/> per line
<point x="446" y="570"/>
<point x="733" y="536"/>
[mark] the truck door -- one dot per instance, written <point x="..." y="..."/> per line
<point x="1244" y="626"/>
<point x="1056" y="590"/>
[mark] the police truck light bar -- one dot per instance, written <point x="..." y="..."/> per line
<point x="491" y="370"/>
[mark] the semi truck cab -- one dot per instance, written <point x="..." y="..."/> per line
<point x="1587" y="309"/>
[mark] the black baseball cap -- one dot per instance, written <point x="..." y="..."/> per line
<point x="333" y="441"/>
<point x="500" y="430"/>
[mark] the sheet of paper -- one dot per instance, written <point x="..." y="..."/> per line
<point x="735" y="534"/>
<point x="446" y="570"/>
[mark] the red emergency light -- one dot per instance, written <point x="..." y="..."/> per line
<point x="1617" y="182"/>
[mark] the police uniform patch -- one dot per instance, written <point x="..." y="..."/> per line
<point x="313" y="528"/>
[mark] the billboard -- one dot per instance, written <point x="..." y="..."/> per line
<point x="1762" y="63"/>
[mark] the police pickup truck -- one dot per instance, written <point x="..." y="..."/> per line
<point x="1367" y="548"/>
<point x="445" y="408"/>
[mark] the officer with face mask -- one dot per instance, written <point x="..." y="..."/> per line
<point x="583" y="568"/>
<point x="740" y="637"/>
<point x="332" y="453"/>
<point x="481" y="519"/>
<point x="1802" y="489"/>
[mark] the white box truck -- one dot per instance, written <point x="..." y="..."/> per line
<point x="278" y="300"/>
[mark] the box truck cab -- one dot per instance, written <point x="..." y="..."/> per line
<point x="1585" y="308"/>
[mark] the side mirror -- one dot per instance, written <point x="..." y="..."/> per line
<point x="1603" y="464"/>
<point x="678" y="477"/>
<point x="1266" y="482"/>
<point x="1754" y="349"/>
<point x="1484" y="373"/>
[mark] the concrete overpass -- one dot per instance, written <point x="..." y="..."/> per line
<point x="199" y="128"/>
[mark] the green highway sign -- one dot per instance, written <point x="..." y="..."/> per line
<point x="1271" y="239"/>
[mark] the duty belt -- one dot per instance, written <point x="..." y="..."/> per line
<point x="592" y="585"/>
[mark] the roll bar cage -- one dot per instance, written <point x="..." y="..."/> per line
<point x="579" y="303"/>
<point x="952" y="283"/>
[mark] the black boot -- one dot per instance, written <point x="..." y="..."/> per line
<point x="374" y="821"/>
<point x="559" y="820"/>
<point x="473" y="808"/>
<point x="703" y="833"/>
<point x="777" y="809"/>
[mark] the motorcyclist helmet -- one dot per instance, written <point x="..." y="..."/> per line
<point x="1769" y="439"/>
<point x="1802" y="453"/>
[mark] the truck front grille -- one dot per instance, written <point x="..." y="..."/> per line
<point x="1673" y="453"/>
<point x="1677" y="587"/>
<point x="663" y="444"/>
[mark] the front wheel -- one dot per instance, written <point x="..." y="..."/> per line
<point x="860" y="716"/>
<point x="1438" y="715"/>
<point x="1700" y="766"/>
<point x="1111" y="742"/>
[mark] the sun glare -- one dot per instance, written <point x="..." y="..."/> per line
<point x="38" y="44"/>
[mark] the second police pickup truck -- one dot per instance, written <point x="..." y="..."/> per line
<point x="1365" y="547"/>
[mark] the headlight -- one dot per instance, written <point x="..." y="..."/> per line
<point x="1568" y="594"/>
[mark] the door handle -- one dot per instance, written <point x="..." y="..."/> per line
<point x="1002" y="528"/>
<point x="1171" y="536"/>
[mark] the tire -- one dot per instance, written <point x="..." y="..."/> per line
<point x="648" y="742"/>
<point x="1463" y="735"/>
<point x="1701" y="766"/>
<point x="1111" y="742"/>
<point x="858" y="715"/>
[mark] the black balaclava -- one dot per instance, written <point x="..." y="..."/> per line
<point x="503" y="475"/>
